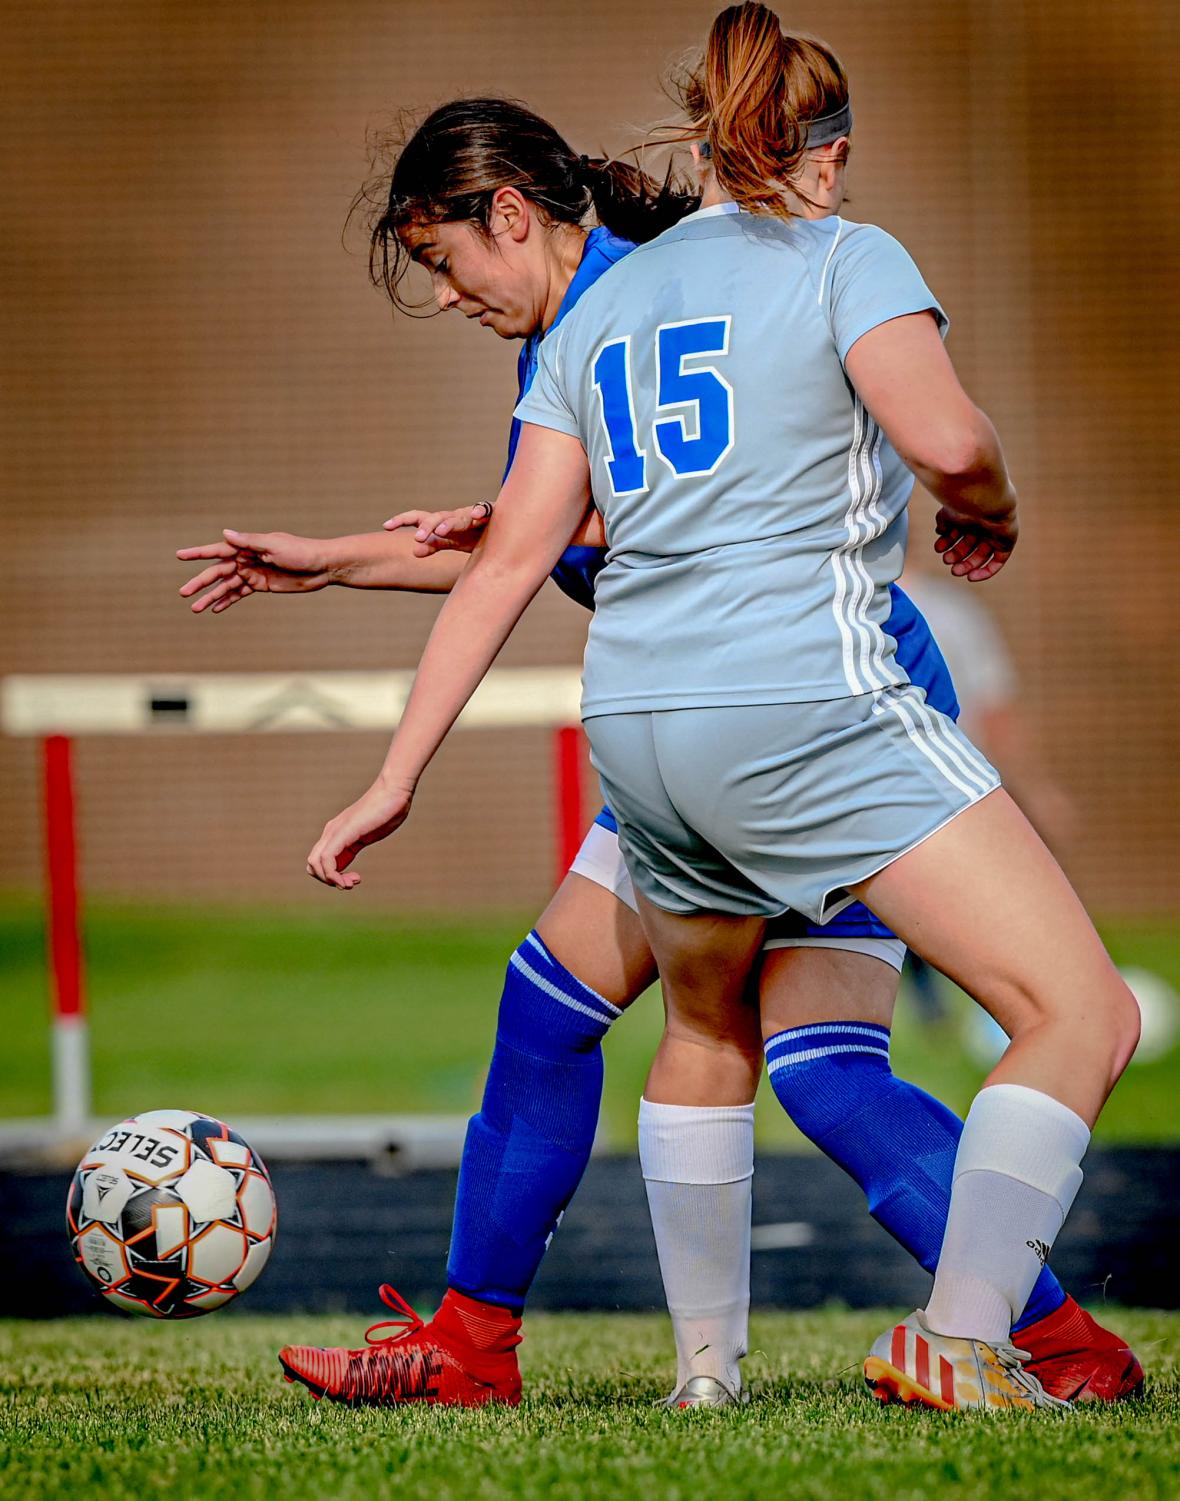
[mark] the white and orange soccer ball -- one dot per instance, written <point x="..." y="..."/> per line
<point x="171" y="1214"/>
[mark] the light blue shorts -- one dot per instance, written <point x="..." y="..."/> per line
<point x="754" y="810"/>
<point x="855" y="930"/>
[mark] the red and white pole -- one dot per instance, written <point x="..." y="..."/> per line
<point x="567" y="743"/>
<point x="71" y="1044"/>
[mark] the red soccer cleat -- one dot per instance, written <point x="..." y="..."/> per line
<point x="464" y="1357"/>
<point x="1076" y="1359"/>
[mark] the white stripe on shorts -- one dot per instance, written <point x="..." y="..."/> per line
<point x="945" y="757"/>
<point x="963" y="752"/>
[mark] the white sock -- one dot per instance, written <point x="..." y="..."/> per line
<point x="698" y="1162"/>
<point x="1016" y="1174"/>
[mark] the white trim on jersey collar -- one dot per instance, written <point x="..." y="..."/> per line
<point x="714" y="211"/>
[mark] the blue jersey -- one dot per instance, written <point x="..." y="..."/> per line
<point x="578" y="567"/>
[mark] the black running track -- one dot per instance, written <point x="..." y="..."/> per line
<point x="347" y="1226"/>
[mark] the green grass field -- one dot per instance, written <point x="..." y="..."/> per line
<point x="243" y="1013"/>
<point x="115" y="1409"/>
<point x="250" y="1013"/>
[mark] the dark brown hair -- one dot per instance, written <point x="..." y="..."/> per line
<point x="452" y="164"/>
<point x="751" y="96"/>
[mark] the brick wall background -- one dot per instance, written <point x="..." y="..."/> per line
<point x="184" y="344"/>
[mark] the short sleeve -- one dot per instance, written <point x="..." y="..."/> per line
<point x="545" y="402"/>
<point x="868" y="279"/>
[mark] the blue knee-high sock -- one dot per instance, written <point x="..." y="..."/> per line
<point x="527" y="1149"/>
<point x="899" y="1143"/>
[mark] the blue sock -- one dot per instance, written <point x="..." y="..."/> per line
<point x="527" y="1149"/>
<point x="899" y="1143"/>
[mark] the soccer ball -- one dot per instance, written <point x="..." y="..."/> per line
<point x="171" y="1214"/>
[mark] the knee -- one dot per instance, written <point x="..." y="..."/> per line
<point x="732" y="1027"/>
<point x="729" y="1039"/>
<point x="1104" y="1018"/>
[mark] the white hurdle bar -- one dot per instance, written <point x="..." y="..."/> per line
<point x="275" y="702"/>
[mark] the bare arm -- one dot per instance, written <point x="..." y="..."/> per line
<point x="246" y="563"/>
<point x="385" y="560"/>
<point x="905" y="378"/>
<point x="539" y="509"/>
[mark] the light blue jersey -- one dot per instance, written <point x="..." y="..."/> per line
<point x="755" y="513"/>
<point x="579" y="567"/>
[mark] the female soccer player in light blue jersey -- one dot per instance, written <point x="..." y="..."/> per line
<point x="825" y="1080"/>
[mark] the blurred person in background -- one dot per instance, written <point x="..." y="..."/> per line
<point x="587" y="958"/>
<point x="987" y="685"/>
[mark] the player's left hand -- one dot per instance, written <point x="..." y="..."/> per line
<point x="971" y="547"/>
<point x="373" y="817"/>
<point x="438" y="531"/>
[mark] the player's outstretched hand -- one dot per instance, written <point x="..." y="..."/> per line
<point x="248" y="563"/>
<point x="972" y="548"/>
<point x="440" y="531"/>
<point x="373" y="817"/>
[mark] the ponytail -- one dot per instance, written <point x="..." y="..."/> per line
<point x="751" y="98"/>
<point x="757" y="141"/>
<point x="633" y="205"/>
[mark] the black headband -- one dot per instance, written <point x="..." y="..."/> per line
<point x="829" y="128"/>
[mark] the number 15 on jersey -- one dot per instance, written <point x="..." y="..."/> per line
<point x="693" y="428"/>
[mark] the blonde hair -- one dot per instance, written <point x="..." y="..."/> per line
<point x="751" y="97"/>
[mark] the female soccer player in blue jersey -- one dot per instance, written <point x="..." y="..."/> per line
<point x="589" y="930"/>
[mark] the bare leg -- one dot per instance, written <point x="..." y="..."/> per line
<point x="696" y="1139"/>
<point x="985" y="902"/>
<point x="598" y="938"/>
<point x="710" y="1053"/>
<point x="896" y="1141"/>
<point x="696" y="1145"/>
<point x="801" y="986"/>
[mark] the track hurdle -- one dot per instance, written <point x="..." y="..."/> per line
<point x="58" y="709"/>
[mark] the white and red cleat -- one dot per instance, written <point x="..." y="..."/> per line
<point x="910" y="1363"/>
